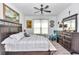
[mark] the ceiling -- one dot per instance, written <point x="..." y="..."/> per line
<point x="28" y="10"/>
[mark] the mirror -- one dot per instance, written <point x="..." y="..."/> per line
<point x="70" y="23"/>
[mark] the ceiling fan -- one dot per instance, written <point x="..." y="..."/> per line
<point x="42" y="9"/>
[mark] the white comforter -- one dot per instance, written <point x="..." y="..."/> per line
<point x="32" y="43"/>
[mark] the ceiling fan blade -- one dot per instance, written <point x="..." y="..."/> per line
<point x="46" y="7"/>
<point x="47" y="11"/>
<point x="36" y="8"/>
<point x="36" y="11"/>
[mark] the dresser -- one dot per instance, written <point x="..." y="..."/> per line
<point x="70" y="41"/>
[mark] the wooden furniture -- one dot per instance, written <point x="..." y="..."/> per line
<point x="69" y="38"/>
<point x="29" y="53"/>
<point x="70" y="41"/>
<point x="6" y="29"/>
<point x="60" y="40"/>
<point x="66" y="40"/>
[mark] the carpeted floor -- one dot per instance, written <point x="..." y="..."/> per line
<point x="60" y="49"/>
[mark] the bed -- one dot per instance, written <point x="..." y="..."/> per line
<point x="32" y="45"/>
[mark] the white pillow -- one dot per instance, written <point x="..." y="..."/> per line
<point x="12" y="36"/>
<point x="17" y="36"/>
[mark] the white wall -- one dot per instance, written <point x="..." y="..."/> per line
<point x="37" y="18"/>
<point x="73" y="8"/>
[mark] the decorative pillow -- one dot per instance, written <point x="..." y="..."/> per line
<point x="26" y="35"/>
<point x="12" y="36"/>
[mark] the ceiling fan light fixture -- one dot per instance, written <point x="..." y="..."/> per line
<point x="41" y="5"/>
<point x="42" y="9"/>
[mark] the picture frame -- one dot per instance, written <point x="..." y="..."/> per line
<point x="29" y="23"/>
<point x="10" y="14"/>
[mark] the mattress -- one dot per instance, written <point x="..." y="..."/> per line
<point x="32" y="43"/>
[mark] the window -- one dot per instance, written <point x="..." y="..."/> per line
<point x="44" y="26"/>
<point x="40" y="26"/>
<point x="37" y="26"/>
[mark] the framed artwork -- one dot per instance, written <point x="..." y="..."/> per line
<point x="29" y="23"/>
<point x="10" y="14"/>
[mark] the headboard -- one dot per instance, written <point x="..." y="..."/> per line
<point x="7" y="28"/>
